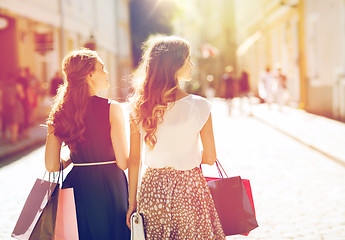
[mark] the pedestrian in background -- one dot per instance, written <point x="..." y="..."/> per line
<point x="94" y="130"/>
<point x="244" y="91"/>
<point x="23" y="80"/>
<point x="282" y="93"/>
<point x="174" y="198"/>
<point x="244" y="87"/>
<point x="55" y="83"/>
<point x="229" y="86"/>
<point x="13" y="95"/>
<point x="267" y="86"/>
<point x="33" y="92"/>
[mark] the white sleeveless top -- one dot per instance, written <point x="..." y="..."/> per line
<point x="178" y="144"/>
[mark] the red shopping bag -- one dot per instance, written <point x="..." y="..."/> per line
<point x="66" y="219"/>
<point x="234" y="203"/>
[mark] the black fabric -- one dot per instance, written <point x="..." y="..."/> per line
<point x="98" y="146"/>
<point x="101" y="191"/>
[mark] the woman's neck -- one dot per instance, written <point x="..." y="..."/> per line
<point x="180" y="94"/>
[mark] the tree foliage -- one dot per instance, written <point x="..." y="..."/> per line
<point x="149" y="17"/>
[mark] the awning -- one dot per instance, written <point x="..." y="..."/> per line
<point x="246" y="44"/>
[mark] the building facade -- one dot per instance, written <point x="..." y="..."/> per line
<point x="307" y="39"/>
<point x="324" y="42"/>
<point x="268" y="36"/>
<point x="37" y="34"/>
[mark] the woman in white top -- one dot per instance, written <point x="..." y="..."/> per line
<point x="174" y="198"/>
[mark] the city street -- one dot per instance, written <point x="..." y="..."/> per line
<point x="298" y="192"/>
<point x="276" y="86"/>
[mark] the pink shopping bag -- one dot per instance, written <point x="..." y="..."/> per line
<point x="66" y="227"/>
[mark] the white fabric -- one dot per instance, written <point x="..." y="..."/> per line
<point x="178" y="136"/>
<point x="137" y="227"/>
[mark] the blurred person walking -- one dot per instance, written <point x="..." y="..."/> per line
<point x="229" y="86"/>
<point x="267" y="86"/>
<point x="13" y="93"/>
<point x="23" y="80"/>
<point x="33" y="92"/>
<point x="94" y="130"/>
<point x="166" y="123"/>
<point x="282" y="93"/>
<point x="244" y="90"/>
<point x="55" y="83"/>
<point x="244" y="87"/>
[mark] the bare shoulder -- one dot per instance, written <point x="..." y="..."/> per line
<point x="116" y="110"/>
<point x="113" y="102"/>
<point x="115" y="105"/>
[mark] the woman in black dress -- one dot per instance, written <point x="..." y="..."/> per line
<point x="94" y="130"/>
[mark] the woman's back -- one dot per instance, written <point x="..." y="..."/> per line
<point x="98" y="146"/>
<point x="93" y="129"/>
<point x="178" y="135"/>
<point x="173" y="197"/>
<point x="100" y="191"/>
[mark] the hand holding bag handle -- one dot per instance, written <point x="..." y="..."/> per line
<point x="66" y="226"/>
<point x="234" y="203"/>
<point x="219" y="169"/>
<point x="38" y="213"/>
<point x="137" y="223"/>
<point x="45" y="228"/>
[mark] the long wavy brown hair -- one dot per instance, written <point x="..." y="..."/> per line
<point x="70" y="103"/>
<point x="156" y="83"/>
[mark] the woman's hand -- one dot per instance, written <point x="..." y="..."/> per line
<point x="130" y="211"/>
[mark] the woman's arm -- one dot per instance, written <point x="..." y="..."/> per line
<point x="133" y="169"/>
<point x="118" y="135"/>
<point x="52" y="152"/>
<point x="209" y="155"/>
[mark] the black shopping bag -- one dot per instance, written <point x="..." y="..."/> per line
<point x="37" y="219"/>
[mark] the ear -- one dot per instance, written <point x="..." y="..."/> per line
<point x="90" y="77"/>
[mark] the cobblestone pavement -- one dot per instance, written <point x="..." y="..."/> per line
<point x="16" y="181"/>
<point x="298" y="192"/>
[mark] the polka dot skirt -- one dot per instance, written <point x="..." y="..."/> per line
<point x="178" y="205"/>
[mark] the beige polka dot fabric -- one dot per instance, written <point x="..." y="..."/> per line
<point x="178" y="205"/>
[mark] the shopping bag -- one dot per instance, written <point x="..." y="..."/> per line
<point x="66" y="227"/>
<point x="137" y="227"/>
<point x="40" y="205"/>
<point x="234" y="203"/>
<point x="44" y="229"/>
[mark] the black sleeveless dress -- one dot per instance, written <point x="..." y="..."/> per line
<point x="101" y="191"/>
